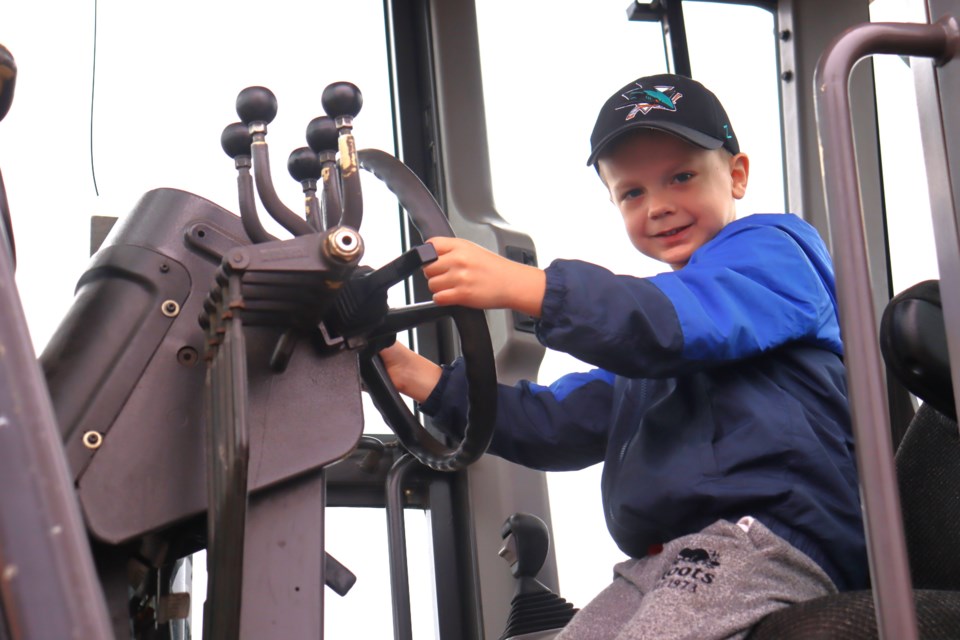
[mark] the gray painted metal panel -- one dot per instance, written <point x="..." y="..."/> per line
<point x="300" y="419"/>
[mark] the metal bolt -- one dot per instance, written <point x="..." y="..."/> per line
<point x="786" y="34"/>
<point x="344" y="244"/>
<point x="786" y="76"/>
<point x="164" y="268"/>
<point x="170" y="308"/>
<point x="92" y="440"/>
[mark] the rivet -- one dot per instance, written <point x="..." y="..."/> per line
<point x="170" y="308"/>
<point x="92" y="440"/>
<point x="187" y="356"/>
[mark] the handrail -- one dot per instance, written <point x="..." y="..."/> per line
<point x="889" y="568"/>
<point x="48" y="584"/>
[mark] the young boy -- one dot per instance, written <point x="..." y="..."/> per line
<point x="719" y="406"/>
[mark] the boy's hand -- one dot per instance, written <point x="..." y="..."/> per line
<point x="412" y="374"/>
<point x="466" y="274"/>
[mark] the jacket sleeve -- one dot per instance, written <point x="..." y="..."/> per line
<point x="744" y="293"/>
<point x="557" y="428"/>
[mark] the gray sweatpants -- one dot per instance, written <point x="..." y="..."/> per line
<point x="711" y="585"/>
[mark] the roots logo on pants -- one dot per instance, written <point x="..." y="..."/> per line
<point x="692" y="568"/>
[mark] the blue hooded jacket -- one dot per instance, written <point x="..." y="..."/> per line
<point x="719" y="393"/>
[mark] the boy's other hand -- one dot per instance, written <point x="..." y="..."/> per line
<point x="468" y="275"/>
<point x="412" y="374"/>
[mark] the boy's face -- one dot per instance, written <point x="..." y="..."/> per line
<point x="673" y="196"/>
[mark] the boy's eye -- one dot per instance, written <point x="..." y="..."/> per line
<point x="683" y="177"/>
<point x="632" y="193"/>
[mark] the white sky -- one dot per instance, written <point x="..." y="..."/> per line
<point x="167" y="77"/>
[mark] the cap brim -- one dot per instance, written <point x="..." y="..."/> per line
<point x="685" y="133"/>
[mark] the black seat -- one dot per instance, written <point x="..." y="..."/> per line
<point x="913" y="343"/>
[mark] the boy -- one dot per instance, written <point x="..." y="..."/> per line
<point x="719" y="406"/>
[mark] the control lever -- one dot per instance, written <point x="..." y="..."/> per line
<point x="342" y="102"/>
<point x="322" y="139"/>
<point x="257" y="107"/>
<point x="362" y="302"/>
<point x="304" y="167"/>
<point x="534" y="606"/>
<point x="236" y="142"/>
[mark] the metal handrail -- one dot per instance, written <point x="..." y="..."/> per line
<point x="49" y="585"/>
<point x="889" y="568"/>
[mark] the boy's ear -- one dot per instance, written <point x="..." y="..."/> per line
<point x="739" y="174"/>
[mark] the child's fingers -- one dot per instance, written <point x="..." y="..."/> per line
<point x="443" y="244"/>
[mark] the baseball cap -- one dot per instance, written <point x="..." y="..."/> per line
<point x="668" y="102"/>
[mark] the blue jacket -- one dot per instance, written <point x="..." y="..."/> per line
<point x="720" y="393"/>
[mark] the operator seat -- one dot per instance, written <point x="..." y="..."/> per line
<point x="913" y="344"/>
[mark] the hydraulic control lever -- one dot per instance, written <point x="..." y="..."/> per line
<point x="257" y="107"/>
<point x="322" y="138"/>
<point x="236" y="142"/>
<point x="342" y="101"/>
<point x="534" y="608"/>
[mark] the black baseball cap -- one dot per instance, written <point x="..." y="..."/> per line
<point x="668" y="102"/>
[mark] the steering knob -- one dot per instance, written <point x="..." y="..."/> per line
<point x="322" y="134"/>
<point x="236" y="140"/>
<point x="256" y="104"/>
<point x="341" y="99"/>
<point x="303" y="165"/>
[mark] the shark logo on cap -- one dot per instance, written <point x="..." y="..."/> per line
<point x="644" y="101"/>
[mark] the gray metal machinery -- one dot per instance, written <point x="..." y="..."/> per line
<point x="194" y="330"/>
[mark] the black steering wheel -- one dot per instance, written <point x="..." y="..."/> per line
<point x="471" y="325"/>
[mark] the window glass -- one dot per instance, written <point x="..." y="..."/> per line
<point x="544" y="81"/>
<point x="913" y="256"/>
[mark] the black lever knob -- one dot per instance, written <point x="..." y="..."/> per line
<point x="236" y="140"/>
<point x="526" y="543"/>
<point x="256" y="104"/>
<point x="341" y="99"/>
<point x="303" y="165"/>
<point x="322" y="134"/>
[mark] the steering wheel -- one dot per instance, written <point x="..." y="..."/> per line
<point x="471" y="325"/>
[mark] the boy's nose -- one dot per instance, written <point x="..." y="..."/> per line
<point x="658" y="207"/>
